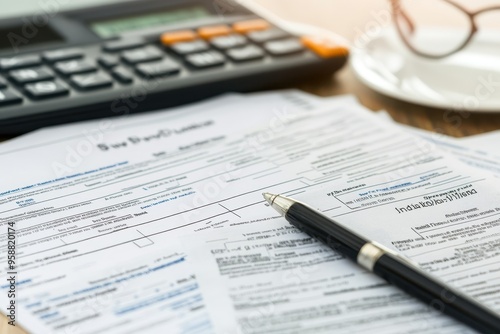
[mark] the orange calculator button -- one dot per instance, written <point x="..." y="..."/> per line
<point x="252" y="25"/>
<point x="214" y="31"/>
<point x="170" y="38"/>
<point x="325" y="47"/>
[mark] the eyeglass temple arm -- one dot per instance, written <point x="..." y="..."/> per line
<point x="399" y="11"/>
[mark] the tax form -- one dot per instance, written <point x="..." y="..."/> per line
<point x="84" y="196"/>
<point x="164" y="187"/>
<point x="276" y="279"/>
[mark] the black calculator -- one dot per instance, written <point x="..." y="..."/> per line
<point x="59" y="67"/>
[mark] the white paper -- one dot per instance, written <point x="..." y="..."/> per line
<point x="486" y="142"/>
<point x="79" y="206"/>
<point x="156" y="293"/>
<point x="272" y="278"/>
<point x="476" y="151"/>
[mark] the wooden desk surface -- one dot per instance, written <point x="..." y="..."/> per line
<point x="350" y="19"/>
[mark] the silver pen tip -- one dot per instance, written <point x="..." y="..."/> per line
<point x="279" y="203"/>
<point x="269" y="197"/>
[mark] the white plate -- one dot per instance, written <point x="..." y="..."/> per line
<point x="468" y="80"/>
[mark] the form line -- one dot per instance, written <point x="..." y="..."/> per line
<point x="234" y="213"/>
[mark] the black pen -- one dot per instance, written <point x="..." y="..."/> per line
<point x="392" y="267"/>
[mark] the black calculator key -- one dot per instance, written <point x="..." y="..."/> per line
<point x="64" y="54"/>
<point x="46" y="89"/>
<point x="8" y="97"/>
<point x="284" y="47"/>
<point x="28" y="75"/>
<point x="142" y="55"/>
<point x="228" y="42"/>
<point x="123" y="44"/>
<point x="206" y="59"/>
<point x="108" y="61"/>
<point x="19" y="62"/>
<point x="92" y="81"/>
<point x="122" y="74"/>
<point x="76" y="66"/>
<point x="246" y="53"/>
<point x="262" y="36"/>
<point x="155" y="69"/>
<point x="184" y="48"/>
<point x="3" y="83"/>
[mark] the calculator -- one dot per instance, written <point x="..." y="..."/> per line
<point x="129" y="57"/>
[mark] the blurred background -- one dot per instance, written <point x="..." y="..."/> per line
<point x="331" y="14"/>
<point x="354" y="19"/>
<point x="347" y="18"/>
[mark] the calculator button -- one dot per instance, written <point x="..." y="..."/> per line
<point x="28" y="75"/>
<point x="325" y="47"/>
<point x="122" y="74"/>
<point x="214" y="31"/>
<point x="228" y="42"/>
<point x="206" y="59"/>
<point x="46" y="89"/>
<point x="91" y="81"/>
<point x="123" y="44"/>
<point x="75" y="67"/>
<point x="252" y="25"/>
<point x="108" y="61"/>
<point x="155" y="69"/>
<point x="19" y="62"/>
<point x="170" y="38"/>
<point x="246" y="53"/>
<point x="263" y="36"/>
<point x="3" y="84"/>
<point x="284" y="47"/>
<point x="185" y="48"/>
<point x="8" y="97"/>
<point x="59" y="55"/>
<point x="143" y="55"/>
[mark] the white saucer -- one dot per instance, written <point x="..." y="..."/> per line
<point x="466" y="81"/>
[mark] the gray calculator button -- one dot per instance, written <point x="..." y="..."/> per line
<point x="246" y="53"/>
<point x="3" y="83"/>
<point x="284" y="47"/>
<point x="184" y="48"/>
<point x="91" y="81"/>
<point x="142" y="55"/>
<point x="108" y="61"/>
<point x="262" y="36"/>
<point x="122" y="74"/>
<point x="228" y="42"/>
<point x="206" y="59"/>
<point x="123" y="44"/>
<point x="46" y="89"/>
<point x="75" y="67"/>
<point x="64" y="54"/>
<point x="19" y="62"/>
<point x="166" y="67"/>
<point x="28" y="75"/>
<point x="8" y="97"/>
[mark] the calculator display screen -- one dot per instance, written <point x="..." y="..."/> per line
<point x="114" y="27"/>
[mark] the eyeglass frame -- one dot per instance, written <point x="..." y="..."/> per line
<point x="397" y="11"/>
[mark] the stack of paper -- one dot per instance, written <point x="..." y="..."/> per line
<point x="156" y="223"/>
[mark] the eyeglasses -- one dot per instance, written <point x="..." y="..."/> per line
<point x="437" y="28"/>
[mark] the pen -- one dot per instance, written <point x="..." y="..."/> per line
<point x="394" y="268"/>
